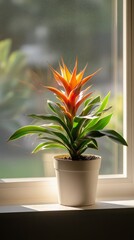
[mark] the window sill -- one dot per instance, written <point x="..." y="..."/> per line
<point x="101" y="205"/>
<point x="104" y="220"/>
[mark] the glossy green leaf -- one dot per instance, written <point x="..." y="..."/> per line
<point x="54" y="139"/>
<point x="56" y="109"/>
<point x="88" y="143"/>
<point x="52" y="126"/>
<point x="89" y="110"/>
<point x="95" y="134"/>
<point x="77" y="124"/>
<point x="109" y="133"/>
<point x="90" y="105"/>
<point x="92" y="101"/>
<point x="115" y="136"/>
<point x="104" y="103"/>
<point x="29" y="129"/>
<point x="85" y="117"/>
<point x="90" y="124"/>
<point x="47" y="145"/>
<point x="60" y="136"/>
<point x="95" y="124"/>
<point x="103" y="122"/>
<point x="51" y="117"/>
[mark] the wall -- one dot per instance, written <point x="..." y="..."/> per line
<point x="81" y="224"/>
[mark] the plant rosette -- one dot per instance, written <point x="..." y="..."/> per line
<point x="69" y="128"/>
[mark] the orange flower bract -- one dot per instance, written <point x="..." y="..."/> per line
<point x="71" y="95"/>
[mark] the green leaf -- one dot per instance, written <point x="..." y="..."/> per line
<point x="53" y="126"/>
<point x="77" y="125"/>
<point x="113" y="135"/>
<point x="85" y="142"/>
<point x="95" y="124"/>
<point x="77" y="118"/>
<point x="92" y="100"/>
<point x="53" y="139"/>
<point x="89" y="110"/>
<point x="62" y="137"/>
<point x="50" y="117"/>
<point x="91" y="123"/>
<point x="101" y="123"/>
<point x="38" y="148"/>
<point x="95" y="134"/>
<point x="88" y="143"/>
<point x="5" y="47"/>
<point x="104" y="103"/>
<point x="47" y="145"/>
<point x="29" y="129"/>
<point x="95" y="100"/>
<point x="56" y="109"/>
<point x="93" y="143"/>
<point x="90" y="105"/>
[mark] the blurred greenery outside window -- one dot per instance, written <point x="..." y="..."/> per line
<point x="39" y="33"/>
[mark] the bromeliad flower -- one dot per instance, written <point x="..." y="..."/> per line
<point x="72" y="96"/>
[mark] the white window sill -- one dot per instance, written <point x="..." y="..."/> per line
<point x="56" y="207"/>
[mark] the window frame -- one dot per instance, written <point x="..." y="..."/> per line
<point x="43" y="190"/>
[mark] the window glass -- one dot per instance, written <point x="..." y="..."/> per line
<point x="44" y="31"/>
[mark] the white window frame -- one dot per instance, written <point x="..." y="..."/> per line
<point x="43" y="190"/>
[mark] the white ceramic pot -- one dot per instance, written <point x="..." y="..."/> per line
<point x="77" y="180"/>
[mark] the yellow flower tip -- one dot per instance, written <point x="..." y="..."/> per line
<point x="62" y="70"/>
<point x="80" y="75"/>
<point x="65" y="71"/>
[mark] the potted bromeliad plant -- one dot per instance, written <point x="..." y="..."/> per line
<point x="74" y="129"/>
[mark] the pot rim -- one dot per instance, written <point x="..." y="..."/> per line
<point x="76" y="165"/>
<point x="64" y="157"/>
